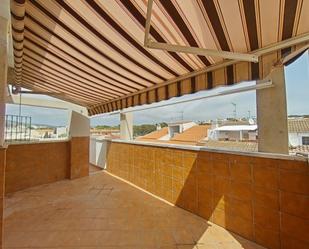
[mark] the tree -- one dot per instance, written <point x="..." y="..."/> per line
<point x="141" y="130"/>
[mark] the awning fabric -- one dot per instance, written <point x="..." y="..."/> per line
<point x="92" y="51"/>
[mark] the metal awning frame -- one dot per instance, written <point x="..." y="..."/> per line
<point x="149" y="43"/>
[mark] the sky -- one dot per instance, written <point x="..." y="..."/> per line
<point x="297" y="84"/>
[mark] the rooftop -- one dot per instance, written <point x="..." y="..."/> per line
<point x="193" y="134"/>
<point x="298" y="125"/>
<point x="237" y="128"/>
<point x="230" y="145"/>
<point x="154" y="135"/>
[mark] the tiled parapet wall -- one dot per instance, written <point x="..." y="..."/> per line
<point x="79" y="162"/>
<point x="2" y="180"/>
<point x="29" y="165"/>
<point x="265" y="200"/>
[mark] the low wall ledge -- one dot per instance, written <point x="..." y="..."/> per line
<point x="204" y="148"/>
<point x="38" y="142"/>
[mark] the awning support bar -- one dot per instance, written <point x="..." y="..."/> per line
<point x="191" y="50"/>
<point x="262" y="84"/>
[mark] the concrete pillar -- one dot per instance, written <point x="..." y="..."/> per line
<point x="272" y="115"/>
<point x="126" y="126"/>
<point x="3" y="95"/>
<point x="79" y="133"/>
<point x="3" y="73"/>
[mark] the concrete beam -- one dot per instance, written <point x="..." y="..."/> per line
<point x="126" y="126"/>
<point x="4" y="28"/>
<point x="79" y="125"/>
<point x="48" y="103"/>
<point x="79" y="133"/>
<point x="272" y="115"/>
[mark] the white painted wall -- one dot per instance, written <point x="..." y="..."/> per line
<point x="186" y="126"/>
<point x="79" y="125"/>
<point x="295" y="139"/>
<point x="179" y="128"/>
<point x="98" y="151"/>
<point x="126" y="126"/>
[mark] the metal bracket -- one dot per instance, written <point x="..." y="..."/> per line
<point x="192" y="50"/>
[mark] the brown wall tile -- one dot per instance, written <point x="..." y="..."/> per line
<point x="288" y="242"/>
<point x="79" y="150"/>
<point x="2" y="190"/>
<point x="239" y="225"/>
<point x="29" y="165"/>
<point x="267" y="218"/>
<point x="296" y="182"/>
<point x="295" y="204"/>
<point x="295" y="227"/>
<point x="241" y="171"/>
<point x="266" y="197"/>
<point x="240" y="193"/>
<point x="266" y="237"/>
<point x="221" y="168"/>
<point x="266" y="177"/>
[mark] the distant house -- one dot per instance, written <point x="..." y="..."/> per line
<point x="155" y="135"/>
<point x="179" y="127"/>
<point x="191" y="136"/>
<point x="230" y="145"/>
<point x="298" y="131"/>
<point x="234" y="133"/>
<point x="105" y="133"/>
<point x="181" y="132"/>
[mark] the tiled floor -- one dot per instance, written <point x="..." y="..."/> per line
<point x="101" y="211"/>
<point x="94" y="169"/>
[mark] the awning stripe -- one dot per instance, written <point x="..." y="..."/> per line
<point x="18" y="15"/>
<point x="58" y="77"/>
<point x="51" y="16"/>
<point x="290" y="7"/>
<point x="50" y="88"/>
<point x="230" y="75"/>
<point x="74" y="72"/>
<point x="212" y="13"/>
<point x="174" y="14"/>
<point x="82" y="62"/>
<point x="71" y="99"/>
<point x="62" y="85"/>
<point x="54" y="85"/>
<point x="250" y="15"/>
<point x="83" y="53"/>
<point x="42" y="66"/>
<point x="119" y="29"/>
<point x="219" y="77"/>
<point x="120" y="84"/>
<point x="140" y="18"/>
<point x="93" y="51"/>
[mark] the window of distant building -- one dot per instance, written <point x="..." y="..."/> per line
<point x="305" y="140"/>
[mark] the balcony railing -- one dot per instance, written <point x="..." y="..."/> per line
<point x="17" y="128"/>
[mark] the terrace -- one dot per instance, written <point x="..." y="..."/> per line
<point x="111" y="56"/>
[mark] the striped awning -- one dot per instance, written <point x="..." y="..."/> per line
<point x="92" y="51"/>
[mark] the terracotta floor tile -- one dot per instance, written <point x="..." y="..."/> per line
<point x="103" y="212"/>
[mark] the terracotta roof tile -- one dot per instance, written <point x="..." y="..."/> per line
<point x="193" y="134"/>
<point x="154" y="135"/>
<point x="298" y="125"/>
<point x="230" y="145"/>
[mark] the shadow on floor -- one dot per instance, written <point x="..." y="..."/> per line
<point x="101" y="211"/>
